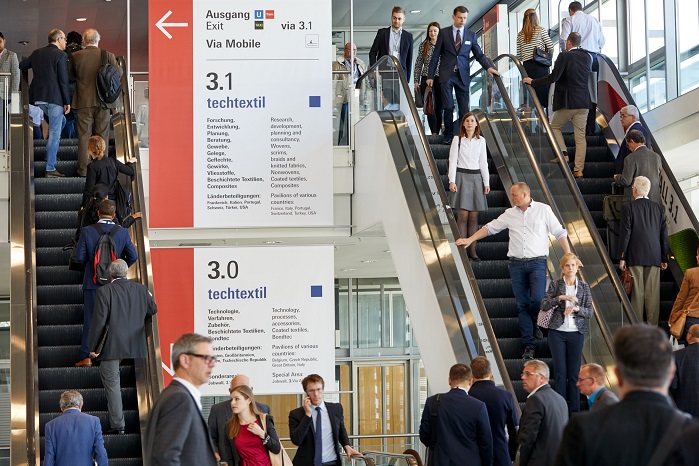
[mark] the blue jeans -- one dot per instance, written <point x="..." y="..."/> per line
<point x="529" y="285"/>
<point x="56" y="122"/>
<point x="566" y="351"/>
<point x="454" y="84"/>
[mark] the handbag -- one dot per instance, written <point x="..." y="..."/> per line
<point x="276" y="459"/>
<point x="419" y="101"/>
<point x="542" y="56"/>
<point x="544" y="318"/>
<point x="428" y="108"/>
<point x="626" y="281"/>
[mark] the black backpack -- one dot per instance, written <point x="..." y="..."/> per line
<point x="105" y="254"/>
<point x="108" y="80"/>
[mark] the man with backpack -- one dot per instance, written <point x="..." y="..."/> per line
<point x="89" y="66"/>
<point x="99" y="245"/>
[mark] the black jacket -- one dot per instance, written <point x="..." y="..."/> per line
<point x="501" y="413"/>
<point x="685" y="386"/>
<point x="570" y="73"/>
<point x="302" y="433"/>
<point x="541" y="427"/>
<point x="643" y="237"/>
<point x="105" y="171"/>
<point x="381" y="45"/>
<point x="50" y="81"/>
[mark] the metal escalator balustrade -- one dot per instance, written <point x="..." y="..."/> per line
<point x="450" y="278"/>
<point x="54" y="304"/>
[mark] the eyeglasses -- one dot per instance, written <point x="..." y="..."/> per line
<point x="208" y="359"/>
<point x="529" y="374"/>
<point x="623" y="115"/>
<point x="585" y="378"/>
<point x="315" y="390"/>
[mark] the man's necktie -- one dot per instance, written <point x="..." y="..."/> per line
<point x="458" y="40"/>
<point x="318" y="457"/>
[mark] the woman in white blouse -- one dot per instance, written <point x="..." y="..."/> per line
<point x="530" y="37"/>
<point x="469" y="179"/>
<point x="571" y="301"/>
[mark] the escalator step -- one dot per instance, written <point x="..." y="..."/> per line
<point x="58" y="356"/>
<point x="56" y="220"/>
<point x="594" y="201"/>
<point x="130" y="416"/>
<point x="495" y="288"/>
<point x="59" y="185"/>
<point x="58" y="275"/>
<point x="57" y="335"/>
<point x="66" y="378"/>
<point x="595" y="140"/>
<point x="511" y="348"/>
<point x="60" y="314"/>
<point x="499" y="308"/>
<point x="53" y="202"/>
<point x="94" y="399"/>
<point x="67" y="168"/>
<point x="598" y="169"/>
<point x="61" y="142"/>
<point x="507" y="327"/>
<point x="53" y="256"/>
<point x="489" y="251"/>
<point x="54" y="238"/>
<point x="59" y="294"/>
<point x="491" y="269"/>
<point x="595" y="185"/>
<point x="498" y="199"/>
<point x="65" y="153"/>
<point x="127" y="447"/>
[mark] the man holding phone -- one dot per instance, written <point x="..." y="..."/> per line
<point x="318" y="428"/>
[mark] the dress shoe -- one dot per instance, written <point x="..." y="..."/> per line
<point x="118" y="431"/>
<point x="447" y="141"/>
<point x="538" y="334"/>
<point x="55" y="174"/>
<point x="84" y="362"/>
<point x="528" y="353"/>
<point x="577" y="174"/>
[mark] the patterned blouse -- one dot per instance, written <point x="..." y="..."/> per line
<point x="422" y="63"/>
<point x="541" y="39"/>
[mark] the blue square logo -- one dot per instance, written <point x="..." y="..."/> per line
<point x="259" y="14"/>
<point x="316" y="291"/>
<point x="314" y="101"/>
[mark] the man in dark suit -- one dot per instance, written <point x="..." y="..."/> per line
<point x="394" y="41"/>
<point x="455" y="425"/>
<point x="591" y="384"/>
<point x="176" y="433"/>
<point x="628" y="432"/>
<point x="318" y="428"/>
<point x="121" y="310"/>
<point x="92" y="114"/>
<point x="49" y="91"/>
<point x="454" y="46"/>
<point x="502" y="412"/>
<point x="543" y="419"/>
<point x="630" y="120"/>
<point x="644" y="249"/>
<point x="85" y="253"/>
<point x="219" y="416"/>
<point x="640" y="162"/>
<point x="74" y="438"/>
<point x="571" y="97"/>
<point x="685" y="385"/>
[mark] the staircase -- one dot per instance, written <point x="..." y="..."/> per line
<point x="493" y="277"/>
<point x="59" y="309"/>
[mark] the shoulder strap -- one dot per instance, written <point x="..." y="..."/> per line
<point x="104" y="57"/>
<point x="263" y="420"/>
<point x="114" y="230"/>
<point x="433" y="420"/>
<point x="667" y="443"/>
<point x="99" y="228"/>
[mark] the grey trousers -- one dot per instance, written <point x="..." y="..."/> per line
<point x="646" y="292"/>
<point x="109" y="373"/>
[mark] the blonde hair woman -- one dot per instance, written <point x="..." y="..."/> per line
<point x="571" y="300"/>
<point x="530" y="37"/>
<point x="103" y="169"/>
<point x="252" y="442"/>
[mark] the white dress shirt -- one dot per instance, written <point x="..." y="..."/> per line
<point x="529" y="229"/>
<point x="589" y="29"/>
<point x="196" y="394"/>
<point x="471" y="155"/>
<point x="329" y="451"/>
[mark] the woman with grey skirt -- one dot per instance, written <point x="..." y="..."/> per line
<point x="469" y="179"/>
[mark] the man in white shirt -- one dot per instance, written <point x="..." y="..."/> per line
<point x="587" y="26"/>
<point x="176" y="432"/>
<point x="530" y="224"/>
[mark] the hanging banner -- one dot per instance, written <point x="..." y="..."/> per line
<point x="266" y="320"/>
<point x="256" y="145"/>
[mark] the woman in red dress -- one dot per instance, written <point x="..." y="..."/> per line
<point x="245" y="430"/>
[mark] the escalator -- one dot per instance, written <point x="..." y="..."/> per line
<point x="52" y="304"/>
<point x="480" y="303"/>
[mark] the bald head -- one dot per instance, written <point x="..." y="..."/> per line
<point x="238" y="380"/>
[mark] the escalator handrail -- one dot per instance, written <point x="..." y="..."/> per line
<point x="25" y="354"/>
<point x="152" y="376"/>
<point x="487" y="325"/>
<point x="577" y="195"/>
<point x="666" y="168"/>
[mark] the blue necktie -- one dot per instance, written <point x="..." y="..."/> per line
<point x="318" y="457"/>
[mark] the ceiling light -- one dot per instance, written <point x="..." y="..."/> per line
<point x="370" y="261"/>
<point x="80" y="19"/>
<point x="415" y="11"/>
<point x="387" y="250"/>
<point x="24" y="42"/>
<point x="347" y="270"/>
<point x="271" y="242"/>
